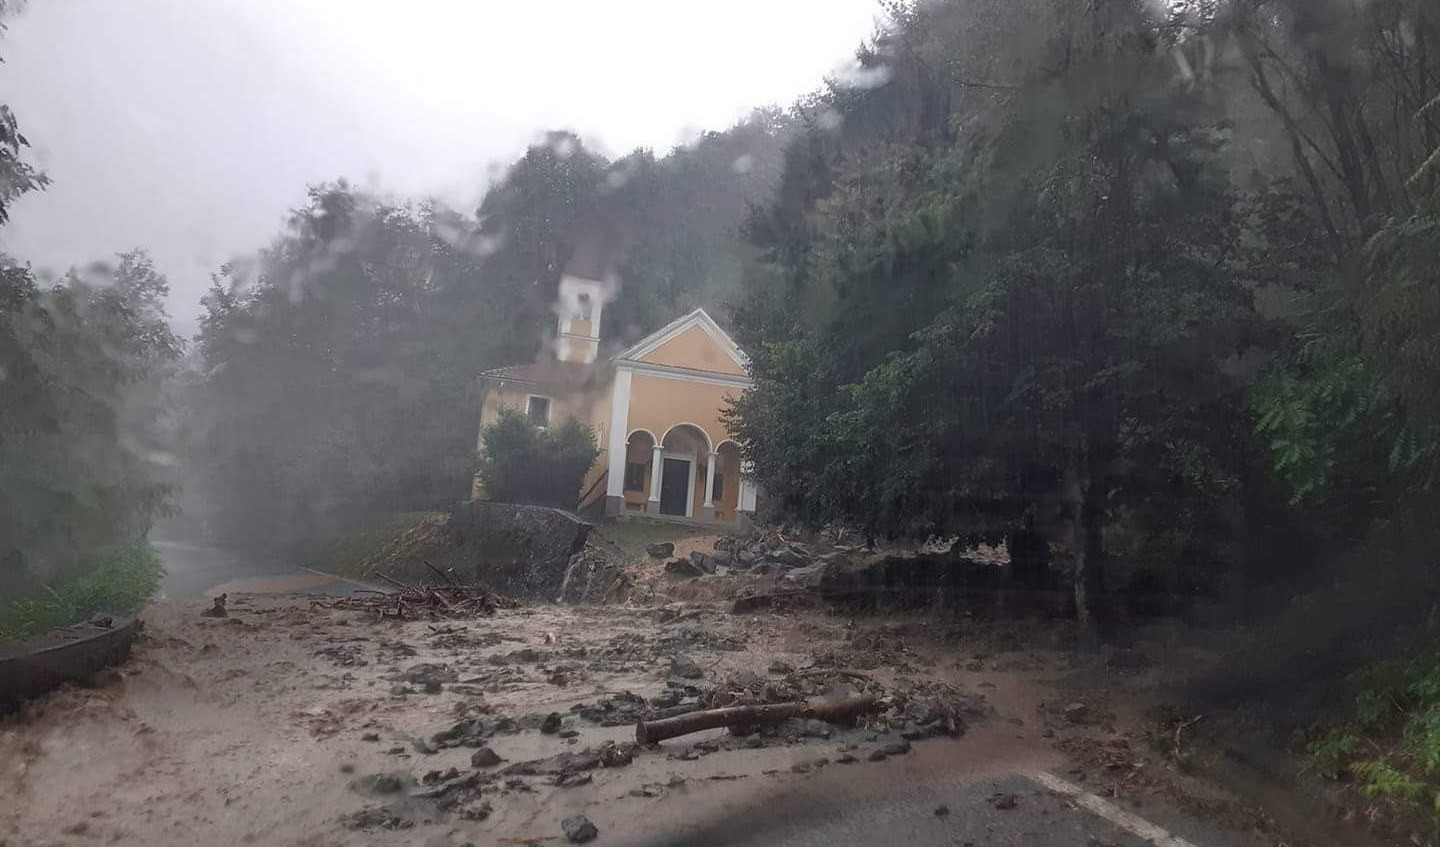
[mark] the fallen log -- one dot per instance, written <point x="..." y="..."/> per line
<point x="648" y="732"/>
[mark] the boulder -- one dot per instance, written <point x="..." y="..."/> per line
<point x="685" y="668"/>
<point x="661" y="550"/>
<point x="789" y="556"/>
<point x="702" y="561"/>
<point x="683" y="568"/>
<point x="579" y="829"/>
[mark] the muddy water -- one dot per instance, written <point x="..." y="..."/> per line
<point x="250" y="729"/>
<point x="253" y="729"/>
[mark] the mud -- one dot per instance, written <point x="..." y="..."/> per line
<point x="257" y="728"/>
<point x="287" y="722"/>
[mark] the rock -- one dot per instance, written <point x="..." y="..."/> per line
<point x="551" y="725"/>
<point x="429" y="676"/>
<point x="379" y="783"/>
<point x="942" y="811"/>
<point x="381" y="818"/>
<point x="809" y="576"/>
<point x="702" y="561"/>
<point x="722" y="558"/>
<point x="217" y="610"/>
<point x="475" y="811"/>
<point x="579" y="829"/>
<point x="845" y="759"/>
<point x="685" y="668"/>
<point x="570" y="780"/>
<point x="789" y="556"/>
<point x="782" y="668"/>
<point x="661" y="549"/>
<point x="929" y="730"/>
<point x="485" y="758"/>
<point x="897" y="748"/>
<point x="878" y="755"/>
<point x="1003" y="801"/>
<point x="745" y="558"/>
<point x="812" y="728"/>
<point x="1077" y="712"/>
<point x="370" y="736"/>
<point x="683" y="568"/>
<point x="568" y="733"/>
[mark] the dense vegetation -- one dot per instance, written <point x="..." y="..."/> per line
<point x="523" y="463"/>
<point x="81" y="475"/>
<point x="1151" y="289"/>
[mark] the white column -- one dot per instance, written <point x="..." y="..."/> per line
<point x="619" y="425"/>
<point x="655" y="460"/>
<point x="710" y="481"/>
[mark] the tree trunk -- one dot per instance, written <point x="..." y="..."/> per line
<point x="648" y="732"/>
<point x="1072" y="498"/>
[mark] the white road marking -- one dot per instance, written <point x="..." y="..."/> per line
<point x="1109" y="811"/>
<point x="339" y="578"/>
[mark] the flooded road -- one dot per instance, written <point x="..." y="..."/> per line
<point x="289" y="723"/>
<point x="195" y="570"/>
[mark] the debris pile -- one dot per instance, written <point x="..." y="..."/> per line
<point x="428" y="602"/>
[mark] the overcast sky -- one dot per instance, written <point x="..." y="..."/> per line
<point x="190" y="127"/>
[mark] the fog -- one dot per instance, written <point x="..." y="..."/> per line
<point x="191" y="127"/>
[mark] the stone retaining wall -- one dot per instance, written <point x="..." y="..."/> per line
<point x="33" y="667"/>
<point x="522" y="551"/>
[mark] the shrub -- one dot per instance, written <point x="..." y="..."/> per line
<point x="523" y="463"/>
<point x="121" y="583"/>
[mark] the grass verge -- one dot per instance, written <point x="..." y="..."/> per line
<point x="121" y="583"/>
<point x="343" y="553"/>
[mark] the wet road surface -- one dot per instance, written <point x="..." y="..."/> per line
<point x="965" y="794"/>
<point x="193" y="570"/>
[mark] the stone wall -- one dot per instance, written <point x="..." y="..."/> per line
<point x="522" y="551"/>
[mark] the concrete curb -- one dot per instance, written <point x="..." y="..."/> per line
<point x="65" y="655"/>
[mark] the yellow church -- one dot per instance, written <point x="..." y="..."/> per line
<point x="665" y="451"/>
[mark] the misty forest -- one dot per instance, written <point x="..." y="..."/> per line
<point x="1145" y="295"/>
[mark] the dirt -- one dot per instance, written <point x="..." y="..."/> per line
<point x="287" y="722"/>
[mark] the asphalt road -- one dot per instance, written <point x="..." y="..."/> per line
<point x="1034" y="810"/>
<point x="198" y="571"/>
<point x="988" y="799"/>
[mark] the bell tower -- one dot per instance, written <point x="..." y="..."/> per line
<point x="577" y="338"/>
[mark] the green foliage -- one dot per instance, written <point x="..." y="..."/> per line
<point x="117" y="582"/>
<point x="1003" y="311"/>
<point x="1391" y="741"/>
<point x="16" y="176"/>
<point x="344" y="550"/>
<point x="76" y="437"/>
<point x="1330" y="756"/>
<point x="523" y="463"/>
<point x="1379" y="778"/>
